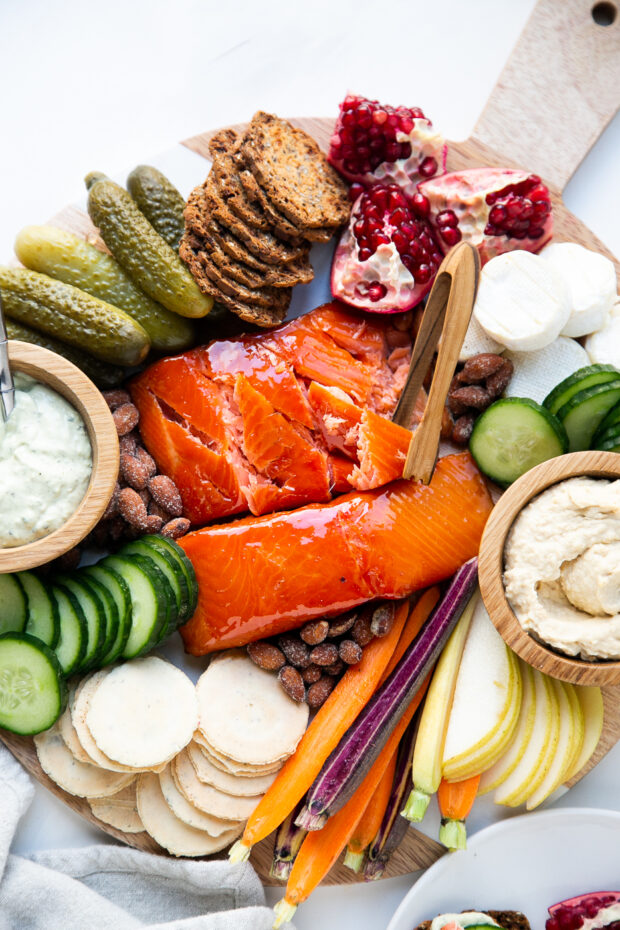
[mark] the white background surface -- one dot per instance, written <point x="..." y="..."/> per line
<point x="105" y="86"/>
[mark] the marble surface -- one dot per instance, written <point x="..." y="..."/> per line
<point x="90" y="86"/>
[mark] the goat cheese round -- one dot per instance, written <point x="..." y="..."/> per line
<point x="45" y="463"/>
<point x="561" y="567"/>
<point x="591" y="280"/>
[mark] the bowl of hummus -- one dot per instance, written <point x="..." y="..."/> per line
<point x="549" y="567"/>
<point x="58" y="459"/>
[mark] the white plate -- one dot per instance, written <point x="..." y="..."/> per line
<point x="524" y="864"/>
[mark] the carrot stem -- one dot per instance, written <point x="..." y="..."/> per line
<point x="456" y="800"/>
<point x="331" y="722"/>
<point x="321" y="848"/>
<point x="370" y="820"/>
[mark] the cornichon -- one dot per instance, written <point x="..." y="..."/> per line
<point x="73" y="316"/>
<point x="68" y="258"/>
<point x="142" y="252"/>
<point x="160" y="202"/>
<point x="104" y="375"/>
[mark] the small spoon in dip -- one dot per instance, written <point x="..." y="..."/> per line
<point x="7" y="389"/>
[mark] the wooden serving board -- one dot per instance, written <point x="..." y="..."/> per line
<point x="556" y="94"/>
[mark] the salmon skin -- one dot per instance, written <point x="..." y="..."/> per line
<point x="262" y="576"/>
<point x="277" y="420"/>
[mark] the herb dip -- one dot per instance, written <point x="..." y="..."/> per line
<point x="45" y="463"/>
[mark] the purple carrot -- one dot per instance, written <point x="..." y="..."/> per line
<point x="393" y="827"/>
<point x="347" y="765"/>
<point x="288" y="840"/>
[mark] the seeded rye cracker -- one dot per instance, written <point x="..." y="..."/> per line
<point x="287" y="276"/>
<point x="279" y="222"/>
<point x="278" y="276"/>
<point x="294" y="173"/>
<point x="231" y="191"/>
<point x="260" y="296"/>
<point x="507" y="920"/>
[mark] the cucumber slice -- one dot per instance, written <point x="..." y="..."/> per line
<point x="149" y="602"/>
<point x="119" y="591"/>
<point x="609" y="445"/>
<point x="579" y="381"/>
<point x="164" y="585"/>
<point x="14" y="613"/>
<point x="170" y="566"/>
<point x="603" y="435"/>
<point x="513" y="435"/>
<point x="169" y="545"/>
<point x="612" y="419"/>
<point x="110" y="611"/>
<point x="584" y="412"/>
<point x="32" y="687"/>
<point x="71" y="646"/>
<point x="43" y="621"/>
<point x="93" y="611"/>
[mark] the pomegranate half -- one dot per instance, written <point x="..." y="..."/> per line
<point x="496" y="209"/>
<point x="373" y="143"/>
<point x="387" y="257"/>
<point x="592" y="911"/>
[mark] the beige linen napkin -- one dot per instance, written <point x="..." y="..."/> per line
<point x="115" y="887"/>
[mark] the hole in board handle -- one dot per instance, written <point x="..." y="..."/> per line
<point x="604" y="13"/>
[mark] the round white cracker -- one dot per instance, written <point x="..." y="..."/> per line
<point x="120" y="810"/>
<point x="244" y="712"/>
<point x="77" y="778"/>
<point x="239" y="785"/>
<point x="143" y="712"/>
<point x="207" y="798"/>
<point x="170" y="832"/>
<point x="79" y="709"/>
<point x="67" y="731"/>
<point x="181" y="808"/>
<point x="229" y="765"/>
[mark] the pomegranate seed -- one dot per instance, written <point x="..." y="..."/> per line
<point x="592" y="909"/>
<point x="423" y="274"/>
<point x="355" y="191"/>
<point x="451" y="235"/>
<point x="541" y="207"/>
<point x="393" y="120"/>
<point x="552" y="924"/>
<point x="358" y="228"/>
<point x="377" y="291"/>
<point x="365" y="254"/>
<point x="378" y="239"/>
<point x="498" y="214"/>
<point x="406" y="125"/>
<point x="539" y="193"/>
<point x="421" y="204"/>
<point x="398" y="216"/>
<point x="428" y="168"/>
<point x="379" y="117"/>
<point x="514" y="208"/>
<point x="379" y="197"/>
<point x="373" y="226"/>
<point x="408" y="262"/>
<point x="396" y="199"/>
<point x="446" y="218"/>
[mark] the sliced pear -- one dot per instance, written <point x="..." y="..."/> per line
<point x="486" y="704"/>
<point x="507" y="763"/>
<point x="531" y="768"/>
<point x="591" y="703"/>
<point x="564" y="751"/>
<point x="579" y="722"/>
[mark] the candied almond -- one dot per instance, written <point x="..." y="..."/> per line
<point x="383" y="619"/>
<point x="147" y="460"/>
<point x="293" y="683"/>
<point x="463" y="428"/>
<point x="176" y="528"/>
<point x="312" y="674"/>
<point x="338" y="626"/>
<point x="266" y="655"/>
<point x="362" y="632"/>
<point x="158" y="511"/>
<point x="350" y="652"/>
<point x="133" y="471"/>
<point x="480" y="367"/>
<point x="112" y="508"/>
<point x="324" y="654"/>
<point x="296" y="652"/>
<point x="153" y="523"/>
<point x="498" y="382"/>
<point x="166" y="494"/>
<point x="128" y="442"/>
<point x="320" y="691"/>
<point x="116" y="398"/>
<point x="125" y="418"/>
<point x="314" y="632"/>
<point x="131" y="508"/>
<point x="471" y="396"/>
<point x="447" y="424"/>
<point x="334" y="669"/>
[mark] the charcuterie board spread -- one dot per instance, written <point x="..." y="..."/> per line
<point x="341" y="665"/>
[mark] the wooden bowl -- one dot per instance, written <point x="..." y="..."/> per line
<point x="491" y="566"/>
<point x="64" y="377"/>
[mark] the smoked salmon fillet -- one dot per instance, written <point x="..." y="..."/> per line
<point x="261" y="576"/>
<point x="273" y="421"/>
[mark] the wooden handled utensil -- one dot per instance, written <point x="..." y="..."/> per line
<point x="446" y="317"/>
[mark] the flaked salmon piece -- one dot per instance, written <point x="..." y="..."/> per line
<point x="280" y="450"/>
<point x="205" y="479"/>
<point x="338" y="418"/>
<point x="357" y="334"/>
<point x="261" y="576"/>
<point x="340" y="469"/>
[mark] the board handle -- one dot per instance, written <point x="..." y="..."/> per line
<point x="558" y="90"/>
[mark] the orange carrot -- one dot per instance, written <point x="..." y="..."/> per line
<point x="321" y="848"/>
<point x="456" y="800"/>
<point x="370" y="821"/>
<point x="415" y="621"/>
<point x="332" y="720"/>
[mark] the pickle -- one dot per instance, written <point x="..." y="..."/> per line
<point x="103" y="375"/>
<point x="73" y="316"/>
<point x="160" y="202"/>
<point x="142" y="252"/>
<point x="68" y="258"/>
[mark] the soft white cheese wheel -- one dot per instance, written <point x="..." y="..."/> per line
<point x="523" y="302"/>
<point x="591" y="280"/>
<point x="537" y="373"/>
<point x="603" y="347"/>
